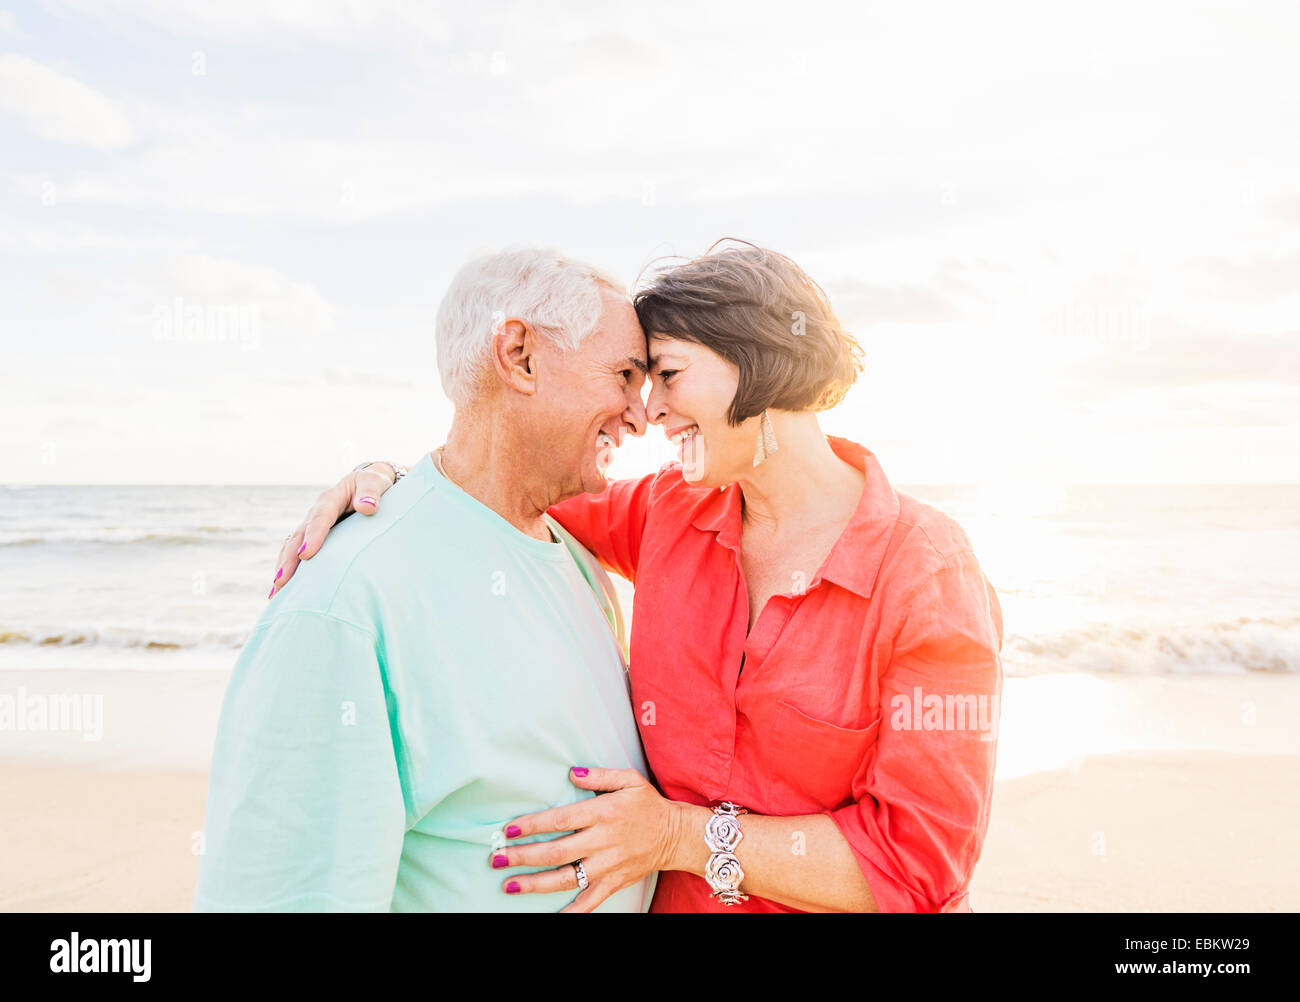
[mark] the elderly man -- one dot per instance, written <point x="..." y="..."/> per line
<point x="438" y="669"/>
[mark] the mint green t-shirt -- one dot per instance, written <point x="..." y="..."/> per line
<point x="427" y="677"/>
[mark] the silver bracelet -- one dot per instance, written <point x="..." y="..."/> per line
<point x="722" y="834"/>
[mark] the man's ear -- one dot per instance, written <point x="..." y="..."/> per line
<point x="514" y="355"/>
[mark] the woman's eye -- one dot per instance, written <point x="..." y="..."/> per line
<point x="665" y="373"/>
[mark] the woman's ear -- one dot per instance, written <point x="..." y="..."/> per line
<point x="514" y="355"/>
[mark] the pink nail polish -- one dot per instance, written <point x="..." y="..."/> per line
<point x="512" y="887"/>
<point x="367" y="500"/>
<point x="301" y="548"/>
<point x="271" y="593"/>
<point x="278" y="573"/>
<point x="499" y="861"/>
<point x="579" y="770"/>
<point x="513" y="831"/>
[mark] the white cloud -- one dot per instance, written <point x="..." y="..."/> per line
<point x="276" y="25"/>
<point x="53" y="105"/>
<point x="283" y="304"/>
<point x="39" y="239"/>
<point x="1032" y="230"/>
<point x="197" y="312"/>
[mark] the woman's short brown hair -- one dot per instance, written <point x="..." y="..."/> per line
<point x="761" y="312"/>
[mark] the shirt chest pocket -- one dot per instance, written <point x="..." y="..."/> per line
<point x="813" y="765"/>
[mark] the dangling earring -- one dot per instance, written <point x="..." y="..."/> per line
<point x="766" y="444"/>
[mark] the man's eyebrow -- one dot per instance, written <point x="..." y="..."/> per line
<point x="636" y="362"/>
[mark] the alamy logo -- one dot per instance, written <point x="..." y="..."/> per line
<point x="101" y="956"/>
<point x="951" y="711"/>
<point x="58" y="711"/>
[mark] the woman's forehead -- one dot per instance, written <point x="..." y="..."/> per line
<point x="666" y="344"/>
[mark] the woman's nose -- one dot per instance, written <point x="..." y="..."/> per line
<point x="656" y="410"/>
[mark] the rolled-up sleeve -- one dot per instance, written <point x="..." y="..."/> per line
<point x="610" y="524"/>
<point x="922" y="799"/>
<point x="305" y="806"/>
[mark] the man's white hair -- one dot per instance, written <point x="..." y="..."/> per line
<point x="558" y="296"/>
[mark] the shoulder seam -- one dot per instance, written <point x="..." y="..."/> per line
<point x="945" y="557"/>
<point x="319" y="613"/>
<point x="329" y="604"/>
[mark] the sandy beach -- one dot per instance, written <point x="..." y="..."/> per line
<point x="1183" y="797"/>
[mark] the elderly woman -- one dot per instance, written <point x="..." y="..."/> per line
<point x="813" y="655"/>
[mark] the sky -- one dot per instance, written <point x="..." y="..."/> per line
<point x="1067" y="237"/>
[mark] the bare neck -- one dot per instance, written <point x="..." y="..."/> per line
<point x="488" y="462"/>
<point x="803" y="483"/>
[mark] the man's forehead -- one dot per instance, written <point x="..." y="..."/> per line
<point x="620" y="333"/>
<point x="623" y="354"/>
<point x="618" y="309"/>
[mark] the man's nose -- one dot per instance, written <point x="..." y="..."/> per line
<point x="634" y="416"/>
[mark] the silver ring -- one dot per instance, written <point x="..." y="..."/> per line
<point x="582" y="875"/>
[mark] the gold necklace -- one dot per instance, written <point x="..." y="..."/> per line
<point x="437" y="461"/>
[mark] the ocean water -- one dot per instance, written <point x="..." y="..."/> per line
<point x="1097" y="579"/>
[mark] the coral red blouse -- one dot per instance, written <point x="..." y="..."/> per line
<point x="869" y="694"/>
